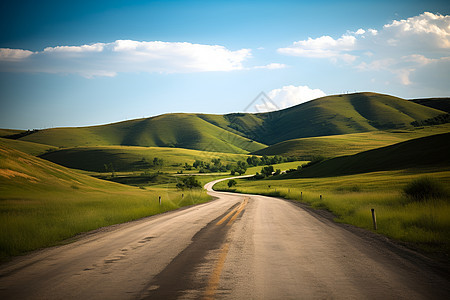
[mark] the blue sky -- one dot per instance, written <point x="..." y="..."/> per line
<point x="93" y="62"/>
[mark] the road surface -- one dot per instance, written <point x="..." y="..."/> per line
<point x="235" y="247"/>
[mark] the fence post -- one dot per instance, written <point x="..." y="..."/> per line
<point x="320" y="197"/>
<point x="301" y="195"/>
<point x="159" y="200"/>
<point x="374" y="219"/>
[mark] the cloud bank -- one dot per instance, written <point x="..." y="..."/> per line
<point x="108" y="59"/>
<point x="402" y="47"/>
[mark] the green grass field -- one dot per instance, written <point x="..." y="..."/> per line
<point x="243" y="132"/>
<point x="348" y="144"/>
<point x="425" y="225"/>
<point x="129" y="158"/>
<point x="42" y="204"/>
<point x="34" y="149"/>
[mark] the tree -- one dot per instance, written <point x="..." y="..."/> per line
<point x="231" y="183"/>
<point x="189" y="182"/>
<point x="267" y="171"/>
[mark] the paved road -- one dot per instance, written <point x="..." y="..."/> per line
<point x="235" y="247"/>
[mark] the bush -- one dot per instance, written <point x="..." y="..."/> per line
<point x="424" y="188"/>
<point x="189" y="182"/>
<point x="231" y="183"/>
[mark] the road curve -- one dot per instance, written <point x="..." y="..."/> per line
<point x="235" y="247"/>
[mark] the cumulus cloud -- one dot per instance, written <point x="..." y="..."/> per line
<point x="288" y="96"/>
<point x="7" y="54"/>
<point x="272" y="66"/>
<point x="323" y="47"/>
<point x="401" y="47"/>
<point x="108" y="59"/>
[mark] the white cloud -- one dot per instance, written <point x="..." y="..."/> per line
<point x="289" y="96"/>
<point x="402" y="47"/>
<point x="272" y="66"/>
<point x="323" y="47"/>
<point x="7" y="54"/>
<point x="108" y="59"/>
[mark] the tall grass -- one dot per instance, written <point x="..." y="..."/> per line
<point x="28" y="224"/>
<point x="424" y="224"/>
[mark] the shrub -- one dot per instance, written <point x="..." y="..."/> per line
<point x="424" y="188"/>
<point x="231" y="183"/>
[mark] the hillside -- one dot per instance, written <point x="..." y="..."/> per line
<point x="189" y="131"/>
<point x="347" y="144"/>
<point x="243" y="132"/>
<point x="436" y="103"/>
<point x="42" y="203"/>
<point x="427" y="152"/>
<point x="132" y="158"/>
<point x="27" y="147"/>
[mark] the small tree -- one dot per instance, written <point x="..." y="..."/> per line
<point x="231" y="183"/>
<point x="267" y="171"/>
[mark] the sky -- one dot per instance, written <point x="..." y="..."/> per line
<point x="80" y="63"/>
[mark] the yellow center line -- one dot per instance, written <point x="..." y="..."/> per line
<point x="229" y="214"/>
<point x="213" y="282"/>
<point x="241" y="208"/>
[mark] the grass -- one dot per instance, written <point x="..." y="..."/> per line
<point x="42" y="204"/>
<point x="348" y="144"/>
<point x="243" y="132"/>
<point x="27" y="147"/>
<point x="190" y="131"/>
<point x="423" y="224"/>
<point x="282" y="167"/>
<point x="429" y="151"/>
<point x="129" y="158"/>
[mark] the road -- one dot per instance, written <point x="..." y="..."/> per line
<point x="235" y="247"/>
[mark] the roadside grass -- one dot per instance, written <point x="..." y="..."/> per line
<point x="42" y="204"/>
<point x="422" y="224"/>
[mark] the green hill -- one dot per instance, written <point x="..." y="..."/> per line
<point x="243" y="132"/>
<point x="342" y="114"/>
<point x="42" y="203"/>
<point x="347" y="144"/>
<point x="436" y="103"/>
<point x="27" y="147"/>
<point x="132" y="158"/>
<point x="188" y="131"/>
<point x="426" y="152"/>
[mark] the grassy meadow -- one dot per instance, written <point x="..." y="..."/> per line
<point x="348" y="144"/>
<point x="425" y="224"/>
<point x="42" y="204"/>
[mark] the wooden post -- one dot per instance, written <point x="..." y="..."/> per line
<point x="301" y="195"/>
<point x="159" y="200"/>
<point x="182" y="196"/>
<point x="320" y="197"/>
<point x="374" y="219"/>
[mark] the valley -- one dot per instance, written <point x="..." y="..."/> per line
<point x="338" y="156"/>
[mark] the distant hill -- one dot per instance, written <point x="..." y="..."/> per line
<point x="347" y="144"/>
<point x="27" y="147"/>
<point x="132" y="158"/>
<point x="244" y="132"/>
<point x="427" y="152"/>
<point x="436" y="103"/>
<point x="189" y="131"/>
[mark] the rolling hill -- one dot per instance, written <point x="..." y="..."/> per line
<point x="426" y="152"/>
<point x="436" y="103"/>
<point x="244" y="132"/>
<point x="132" y="158"/>
<point x="347" y="144"/>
